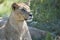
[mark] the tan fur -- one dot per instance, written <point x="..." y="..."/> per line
<point x="16" y="27"/>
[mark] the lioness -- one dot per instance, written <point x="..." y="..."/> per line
<point x="16" y="27"/>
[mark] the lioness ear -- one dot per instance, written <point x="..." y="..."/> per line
<point x="28" y="2"/>
<point x="14" y="6"/>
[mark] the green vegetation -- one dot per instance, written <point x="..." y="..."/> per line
<point x="46" y="14"/>
<point x="46" y="10"/>
<point x="48" y="36"/>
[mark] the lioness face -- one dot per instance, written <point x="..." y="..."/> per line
<point x="23" y="11"/>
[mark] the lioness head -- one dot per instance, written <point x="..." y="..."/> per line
<point x="22" y="11"/>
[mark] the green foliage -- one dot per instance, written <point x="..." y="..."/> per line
<point x="45" y="9"/>
<point x="1" y="1"/>
<point x="47" y="15"/>
<point x="48" y="36"/>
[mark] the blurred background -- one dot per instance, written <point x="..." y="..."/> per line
<point x="46" y="17"/>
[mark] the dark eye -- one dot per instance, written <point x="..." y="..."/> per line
<point x="23" y="10"/>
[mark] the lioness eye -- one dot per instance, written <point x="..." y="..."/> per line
<point x="23" y="9"/>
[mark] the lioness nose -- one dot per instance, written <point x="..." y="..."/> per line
<point x="30" y="15"/>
